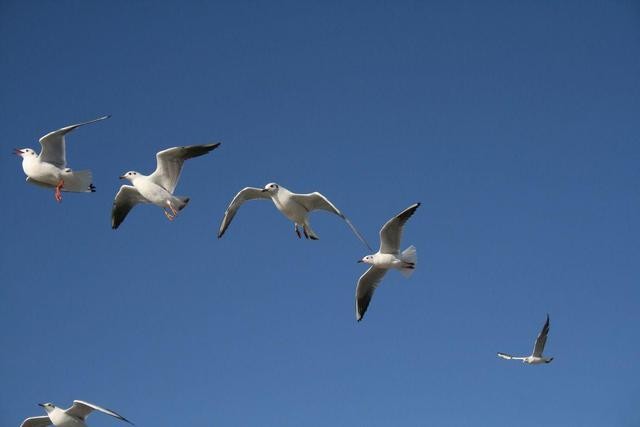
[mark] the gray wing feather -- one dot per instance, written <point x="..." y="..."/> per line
<point x="367" y="285"/>
<point x="125" y="200"/>
<point x="36" y="422"/>
<point x="247" y="193"/>
<point x="82" y="409"/>
<point x="391" y="232"/>
<point x="538" y="348"/>
<point x="53" y="144"/>
<point x="170" y="161"/>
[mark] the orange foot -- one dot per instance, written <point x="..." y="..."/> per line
<point x="58" y="193"/>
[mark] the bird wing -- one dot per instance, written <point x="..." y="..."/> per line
<point x="367" y="285"/>
<point x="170" y="161"/>
<point x="316" y="201"/>
<point x="391" y="232"/>
<point x="36" y="422"/>
<point x="53" y="147"/>
<point x="247" y="193"/>
<point x="510" y="357"/>
<point x="125" y="200"/>
<point x="81" y="409"/>
<point x="538" y="348"/>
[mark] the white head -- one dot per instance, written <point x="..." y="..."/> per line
<point x="367" y="260"/>
<point x="131" y="175"/>
<point x="47" y="406"/>
<point x="271" y="187"/>
<point x="25" y="152"/>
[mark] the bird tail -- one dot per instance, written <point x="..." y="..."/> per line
<point x="78" y="182"/>
<point x="181" y="202"/>
<point x="409" y="259"/>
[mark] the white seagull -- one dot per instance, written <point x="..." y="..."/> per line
<point x="49" y="168"/>
<point x="294" y="206"/>
<point x="387" y="257"/>
<point x="158" y="187"/>
<point x="536" y="358"/>
<point x="74" y="416"/>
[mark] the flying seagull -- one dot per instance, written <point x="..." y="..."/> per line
<point x="536" y="358"/>
<point x="75" y="416"/>
<point x="294" y="206"/>
<point x="387" y="257"/>
<point x="158" y="187"/>
<point x="49" y="168"/>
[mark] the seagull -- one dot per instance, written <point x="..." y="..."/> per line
<point x="536" y="358"/>
<point x="70" y="417"/>
<point x="49" y="168"/>
<point x="158" y="187"/>
<point x="387" y="257"/>
<point x="294" y="206"/>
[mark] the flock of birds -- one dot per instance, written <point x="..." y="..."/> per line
<point x="49" y="169"/>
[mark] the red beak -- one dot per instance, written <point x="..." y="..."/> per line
<point x="17" y="152"/>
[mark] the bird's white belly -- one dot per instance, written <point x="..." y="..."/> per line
<point x="386" y="261"/>
<point x="153" y="193"/>
<point x="42" y="172"/>
<point x="60" y="419"/>
<point x="535" y="360"/>
<point x="292" y="210"/>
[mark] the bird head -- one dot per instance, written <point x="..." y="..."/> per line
<point x="47" y="406"/>
<point x="271" y="188"/>
<point x="24" y="152"/>
<point x="131" y="175"/>
<point x="367" y="260"/>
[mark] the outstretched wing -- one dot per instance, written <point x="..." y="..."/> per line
<point x="510" y="357"/>
<point x="125" y="200"/>
<point x="170" y="163"/>
<point x="316" y="201"/>
<point x="248" y="193"/>
<point x="538" y="348"/>
<point x="391" y="232"/>
<point x="367" y="285"/>
<point x="53" y="146"/>
<point x="81" y="409"/>
<point x="36" y="422"/>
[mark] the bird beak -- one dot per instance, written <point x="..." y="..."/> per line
<point x="263" y="190"/>
<point x="359" y="261"/>
<point x="41" y="404"/>
<point x="121" y="177"/>
<point x="17" y="152"/>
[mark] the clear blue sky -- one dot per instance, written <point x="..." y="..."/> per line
<point x="514" y="123"/>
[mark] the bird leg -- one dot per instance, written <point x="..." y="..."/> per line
<point x="295" y="227"/>
<point x="304" y="230"/>
<point x="58" y="193"/>
<point x="168" y="215"/>
<point x="175" y="212"/>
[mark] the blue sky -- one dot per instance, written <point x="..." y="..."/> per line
<point x="514" y="123"/>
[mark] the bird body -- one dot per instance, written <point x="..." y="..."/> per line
<point x="536" y="357"/>
<point x="296" y="207"/>
<point x="75" y="416"/>
<point x="158" y="187"/>
<point x="49" y="168"/>
<point x="388" y="257"/>
<point x="60" y="418"/>
<point x="153" y="192"/>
